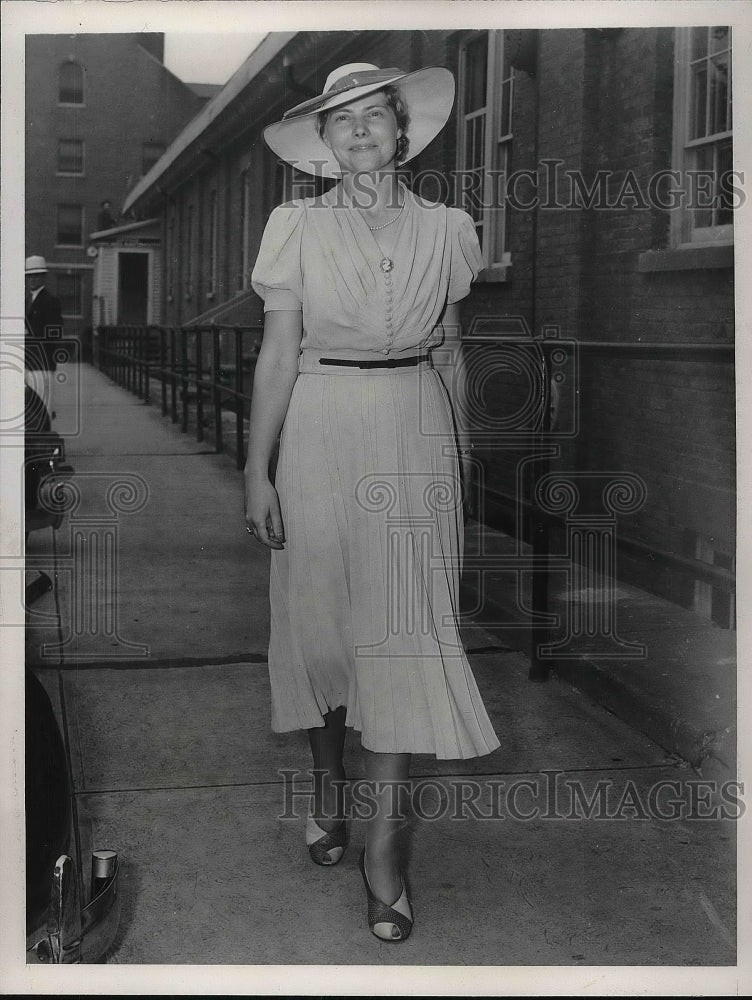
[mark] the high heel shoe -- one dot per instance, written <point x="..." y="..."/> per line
<point x="326" y="849"/>
<point x="388" y="923"/>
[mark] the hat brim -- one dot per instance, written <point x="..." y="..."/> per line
<point x="428" y="95"/>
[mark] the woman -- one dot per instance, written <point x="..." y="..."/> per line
<point x="365" y="522"/>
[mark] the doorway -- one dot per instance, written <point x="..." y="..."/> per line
<point x="133" y="288"/>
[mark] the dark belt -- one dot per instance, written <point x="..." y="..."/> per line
<point x="386" y="363"/>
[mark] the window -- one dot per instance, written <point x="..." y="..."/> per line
<point x="702" y="150"/>
<point x="189" y="253"/>
<point x="70" y="156"/>
<point x="484" y="147"/>
<point x="150" y="153"/>
<point x="71" y="84"/>
<point x="70" y="225"/>
<point x="212" y="244"/>
<point x="69" y="291"/>
<point x="245" y="232"/>
<point x="172" y="250"/>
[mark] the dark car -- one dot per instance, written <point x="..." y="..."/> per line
<point x="59" y="928"/>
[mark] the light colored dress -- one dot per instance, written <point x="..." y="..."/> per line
<point x="364" y="594"/>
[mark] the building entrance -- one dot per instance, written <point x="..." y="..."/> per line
<point x="133" y="288"/>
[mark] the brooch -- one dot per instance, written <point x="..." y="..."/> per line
<point x="386" y="265"/>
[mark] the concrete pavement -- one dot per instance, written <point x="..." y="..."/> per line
<point x="578" y="842"/>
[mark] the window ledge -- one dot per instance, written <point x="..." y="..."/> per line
<point x="686" y="258"/>
<point x="496" y="274"/>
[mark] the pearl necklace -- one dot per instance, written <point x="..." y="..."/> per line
<point x="375" y="229"/>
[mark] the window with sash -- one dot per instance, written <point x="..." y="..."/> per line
<point x="703" y="146"/>
<point x="172" y="256"/>
<point x="70" y="225"/>
<point x="70" y="156"/>
<point x="245" y="232"/>
<point x="484" y="146"/>
<point x="190" y="255"/>
<point x="71" y="84"/>
<point x="213" y="238"/>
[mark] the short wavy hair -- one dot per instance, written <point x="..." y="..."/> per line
<point x="396" y="103"/>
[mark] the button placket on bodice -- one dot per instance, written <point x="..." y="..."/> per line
<point x="385" y="269"/>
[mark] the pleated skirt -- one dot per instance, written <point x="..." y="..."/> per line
<point x="364" y="594"/>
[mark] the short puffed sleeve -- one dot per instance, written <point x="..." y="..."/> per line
<point x="465" y="260"/>
<point x="277" y="275"/>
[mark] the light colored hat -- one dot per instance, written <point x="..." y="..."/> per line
<point x="35" y="265"/>
<point x="428" y="95"/>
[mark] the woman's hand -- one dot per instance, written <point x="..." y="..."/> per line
<point x="273" y="381"/>
<point x="263" y="516"/>
<point x="469" y="473"/>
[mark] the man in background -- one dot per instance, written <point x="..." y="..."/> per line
<point x="44" y="329"/>
<point x="105" y="218"/>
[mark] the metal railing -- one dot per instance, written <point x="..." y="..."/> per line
<point x="205" y="368"/>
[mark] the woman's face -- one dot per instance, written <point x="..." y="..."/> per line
<point x="363" y="135"/>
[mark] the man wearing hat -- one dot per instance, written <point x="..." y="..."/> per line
<point x="44" y="326"/>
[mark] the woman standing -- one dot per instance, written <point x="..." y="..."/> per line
<point x="365" y="522"/>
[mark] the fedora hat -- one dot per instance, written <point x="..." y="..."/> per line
<point x="428" y="95"/>
<point x="35" y="265"/>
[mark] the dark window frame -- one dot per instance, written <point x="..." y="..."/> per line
<point x="703" y="134"/>
<point x="61" y="229"/>
<point x="71" y="93"/>
<point x="60" y="158"/>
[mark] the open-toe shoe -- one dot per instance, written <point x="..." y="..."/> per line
<point x="388" y="923"/>
<point x="325" y="849"/>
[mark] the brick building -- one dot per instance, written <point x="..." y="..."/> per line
<point x="596" y="164"/>
<point x="100" y="110"/>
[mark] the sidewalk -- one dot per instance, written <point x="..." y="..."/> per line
<point x="159" y="675"/>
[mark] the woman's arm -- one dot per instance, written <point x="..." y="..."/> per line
<point x="275" y="375"/>
<point x="453" y="372"/>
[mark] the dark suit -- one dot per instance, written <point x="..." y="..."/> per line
<point x="44" y="324"/>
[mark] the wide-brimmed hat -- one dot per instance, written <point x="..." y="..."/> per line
<point x="428" y="95"/>
<point x="35" y="265"/>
